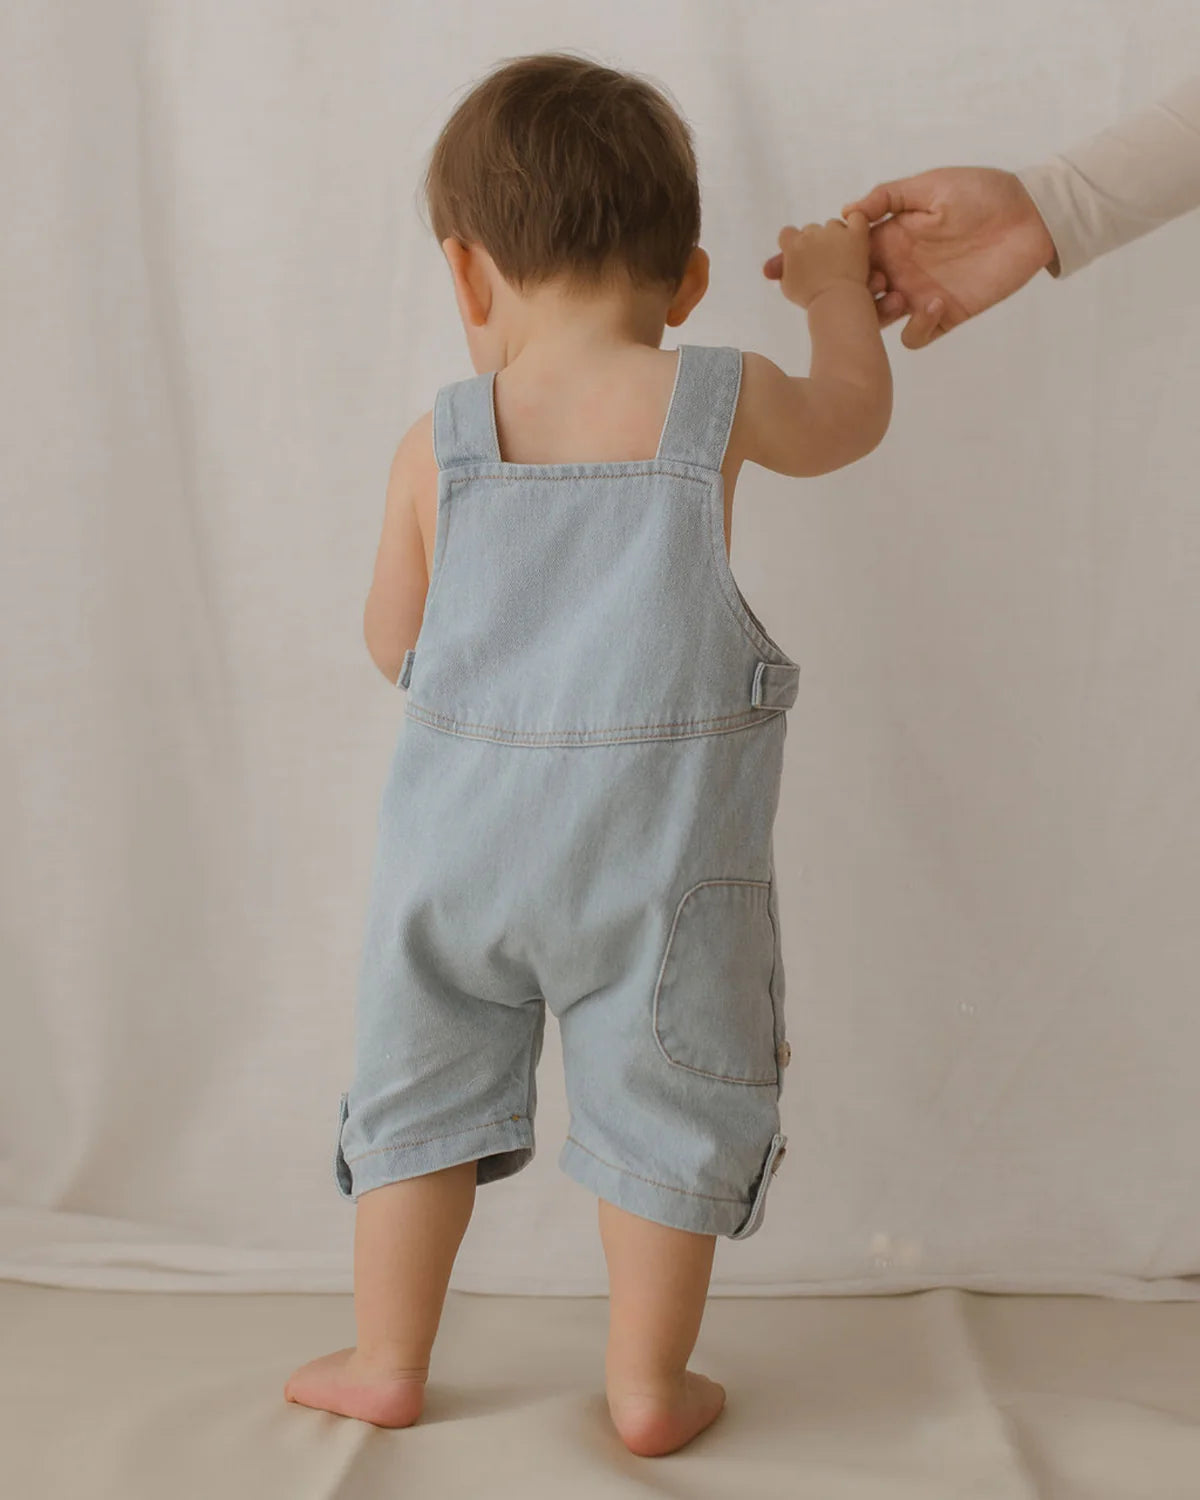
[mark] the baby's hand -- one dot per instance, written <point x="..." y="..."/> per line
<point x="816" y="257"/>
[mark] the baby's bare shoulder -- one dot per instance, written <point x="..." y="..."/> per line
<point x="766" y="391"/>
<point x="413" y="481"/>
<point x="764" y="425"/>
<point x="796" y="426"/>
<point x="415" y="462"/>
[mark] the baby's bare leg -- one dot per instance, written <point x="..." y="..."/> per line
<point x="406" y="1236"/>
<point x="658" y="1282"/>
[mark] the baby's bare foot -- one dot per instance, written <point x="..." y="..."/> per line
<point x="347" y="1384"/>
<point x="653" y="1423"/>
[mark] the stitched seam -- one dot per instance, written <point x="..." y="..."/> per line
<point x="750" y="1083"/>
<point x="490" y="394"/>
<point x="438" y="420"/>
<point x="666" y="426"/>
<point x="625" y="1172"/>
<point x="761" y="642"/>
<point x="733" y="406"/>
<point x="420" y="716"/>
<point x="441" y="537"/>
<point x="534" y="1054"/>
<point x="780" y="1028"/>
<point x="604" y="469"/>
<point x="687" y="1067"/>
<point x="404" y="1145"/>
<point x="616" y="728"/>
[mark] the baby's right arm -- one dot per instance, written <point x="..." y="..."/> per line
<point x="808" y="425"/>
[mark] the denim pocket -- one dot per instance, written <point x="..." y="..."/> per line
<point x="714" y="1006"/>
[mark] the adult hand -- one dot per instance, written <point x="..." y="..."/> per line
<point x="947" y="244"/>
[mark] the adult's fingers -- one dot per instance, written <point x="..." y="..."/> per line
<point x="891" y="308"/>
<point x="886" y="198"/>
<point x="924" y="325"/>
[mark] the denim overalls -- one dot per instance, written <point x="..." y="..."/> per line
<point x="579" y="815"/>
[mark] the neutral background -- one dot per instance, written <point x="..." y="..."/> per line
<point x="221" y="310"/>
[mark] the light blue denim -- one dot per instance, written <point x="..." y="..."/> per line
<point x="579" y="816"/>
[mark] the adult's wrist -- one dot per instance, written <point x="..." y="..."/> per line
<point x="1037" y="187"/>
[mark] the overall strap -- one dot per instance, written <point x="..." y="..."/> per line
<point x="464" y="422"/>
<point x="707" y="383"/>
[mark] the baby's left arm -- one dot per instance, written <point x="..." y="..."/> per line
<point x="396" y="602"/>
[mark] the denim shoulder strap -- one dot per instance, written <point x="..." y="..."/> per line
<point x="705" y="398"/>
<point x="464" y="422"/>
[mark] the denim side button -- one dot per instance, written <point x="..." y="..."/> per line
<point x="341" y="1169"/>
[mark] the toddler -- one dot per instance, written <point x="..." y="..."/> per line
<point x="580" y="808"/>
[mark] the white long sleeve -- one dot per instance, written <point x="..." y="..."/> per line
<point x="1122" y="183"/>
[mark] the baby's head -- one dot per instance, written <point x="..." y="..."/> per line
<point x="559" y="182"/>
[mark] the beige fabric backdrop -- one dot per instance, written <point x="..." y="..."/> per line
<point x="221" y="310"/>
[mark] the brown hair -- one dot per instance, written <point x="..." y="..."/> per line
<point x="560" y="167"/>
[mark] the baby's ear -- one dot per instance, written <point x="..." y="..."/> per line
<point x="472" y="269"/>
<point x="691" y="288"/>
